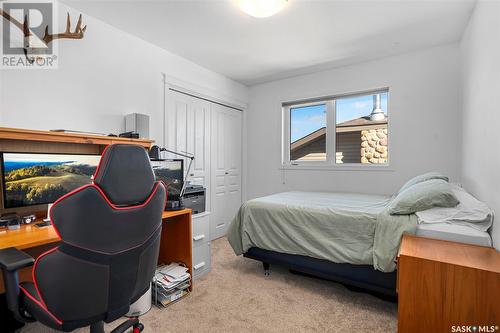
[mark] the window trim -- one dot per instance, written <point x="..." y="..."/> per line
<point x="330" y="162"/>
<point x="287" y="128"/>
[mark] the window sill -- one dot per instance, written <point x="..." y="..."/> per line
<point x="345" y="167"/>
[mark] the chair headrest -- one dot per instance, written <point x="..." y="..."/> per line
<point x="125" y="174"/>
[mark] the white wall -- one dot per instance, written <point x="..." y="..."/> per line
<point x="1" y="97"/>
<point x="480" y="64"/>
<point x="100" y="79"/>
<point x="423" y="96"/>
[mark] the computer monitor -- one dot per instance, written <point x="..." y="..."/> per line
<point x="171" y="172"/>
<point x="35" y="179"/>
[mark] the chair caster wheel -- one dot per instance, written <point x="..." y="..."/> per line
<point x="138" y="328"/>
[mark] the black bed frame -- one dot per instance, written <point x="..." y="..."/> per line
<point x="355" y="277"/>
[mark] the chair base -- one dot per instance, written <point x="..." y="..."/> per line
<point x="98" y="327"/>
<point x="9" y="323"/>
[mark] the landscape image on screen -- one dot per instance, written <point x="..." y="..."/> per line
<point x="171" y="173"/>
<point x="32" y="179"/>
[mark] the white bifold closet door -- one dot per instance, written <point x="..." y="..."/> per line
<point x="188" y="130"/>
<point x="213" y="133"/>
<point x="226" y="167"/>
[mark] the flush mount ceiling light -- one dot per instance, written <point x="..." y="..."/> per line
<point x="262" y="8"/>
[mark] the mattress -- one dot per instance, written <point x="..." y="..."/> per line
<point x="454" y="232"/>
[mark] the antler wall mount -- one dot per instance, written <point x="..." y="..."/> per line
<point x="78" y="33"/>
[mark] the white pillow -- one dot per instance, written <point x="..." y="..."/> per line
<point x="470" y="212"/>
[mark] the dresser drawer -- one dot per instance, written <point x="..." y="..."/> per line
<point x="202" y="261"/>
<point x="201" y="230"/>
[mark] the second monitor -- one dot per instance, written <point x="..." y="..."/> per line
<point x="171" y="173"/>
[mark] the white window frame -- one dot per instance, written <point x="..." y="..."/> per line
<point x="330" y="162"/>
<point x="286" y="130"/>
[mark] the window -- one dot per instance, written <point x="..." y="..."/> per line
<point x="350" y="129"/>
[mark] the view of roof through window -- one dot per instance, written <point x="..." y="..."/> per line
<point x="360" y="126"/>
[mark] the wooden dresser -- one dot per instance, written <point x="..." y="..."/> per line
<point x="446" y="287"/>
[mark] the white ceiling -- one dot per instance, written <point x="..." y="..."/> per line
<point x="306" y="36"/>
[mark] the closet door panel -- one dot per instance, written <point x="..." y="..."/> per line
<point x="218" y="223"/>
<point x="233" y="150"/>
<point x="181" y="122"/>
<point x="226" y="168"/>
<point x="199" y="138"/>
<point x="176" y="122"/>
<point x="200" y="146"/>
<point x="188" y="129"/>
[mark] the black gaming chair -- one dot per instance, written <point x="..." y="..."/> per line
<point x="110" y="238"/>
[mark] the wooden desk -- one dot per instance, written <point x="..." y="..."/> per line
<point x="31" y="240"/>
<point x="176" y="239"/>
<point x="28" y="236"/>
<point x="175" y="244"/>
<point x="443" y="284"/>
<point x="25" y="137"/>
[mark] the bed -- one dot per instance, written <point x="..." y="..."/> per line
<point x="350" y="238"/>
<point x="345" y="237"/>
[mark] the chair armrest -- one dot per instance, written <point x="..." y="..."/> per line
<point x="12" y="259"/>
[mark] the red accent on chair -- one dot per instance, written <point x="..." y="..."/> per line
<point x="34" y="277"/>
<point x="40" y="305"/>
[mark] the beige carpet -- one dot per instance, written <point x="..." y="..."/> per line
<point x="236" y="297"/>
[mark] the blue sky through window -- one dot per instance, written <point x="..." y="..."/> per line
<point x="307" y="119"/>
